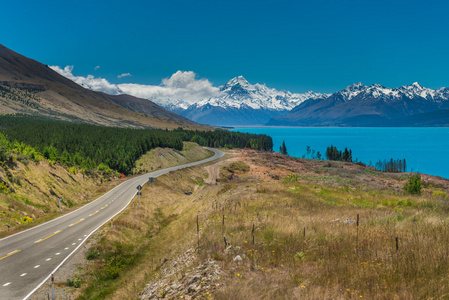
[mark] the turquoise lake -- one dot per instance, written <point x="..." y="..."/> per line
<point x="425" y="149"/>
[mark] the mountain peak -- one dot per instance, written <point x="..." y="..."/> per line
<point x="352" y="90"/>
<point x="238" y="80"/>
<point x="355" y="86"/>
<point x="417" y="85"/>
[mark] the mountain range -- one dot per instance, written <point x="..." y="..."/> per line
<point x="243" y="104"/>
<point x="30" y="87"/>
<point x="375" y="105"/>
<point x="240" y="103"/>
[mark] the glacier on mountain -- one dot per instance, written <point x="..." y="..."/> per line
<point x="247" y="104"/>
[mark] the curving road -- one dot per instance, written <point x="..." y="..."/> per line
<point x="28" y="258"/>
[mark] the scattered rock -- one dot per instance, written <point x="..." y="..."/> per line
<point x="228" y="249"/>
<point x="348" y="222"/>
<point x="274" y="176"/>
<point x="238" y="258"/>
<point x="175" y="281"/>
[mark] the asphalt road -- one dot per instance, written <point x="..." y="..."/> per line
<point x="28" y="258"/>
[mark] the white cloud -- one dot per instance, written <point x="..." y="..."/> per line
<point x="94" y="83"/>
<point x="123" y="75"/>
<point x="181" y="86"/>
<point x="96" y="68"/>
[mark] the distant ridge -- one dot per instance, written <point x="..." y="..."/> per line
<point x="27" y="86"/>
<point x="375" y="105"/>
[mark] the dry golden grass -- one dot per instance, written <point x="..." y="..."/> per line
<point x="300" y="250"/>
<point x="36" y="188"/>
<point x="162" y="158"/>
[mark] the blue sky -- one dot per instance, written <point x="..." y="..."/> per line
<point x="322" y="46"/>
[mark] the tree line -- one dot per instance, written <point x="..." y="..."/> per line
<point x="332" y="153"/>
<point x="393" y="165"/>
<point x="227" y="139"/>
<point x="104" y="148"/>
<point x="90" y="146"/>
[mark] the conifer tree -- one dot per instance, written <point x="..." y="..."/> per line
<point x="283" y="149"/>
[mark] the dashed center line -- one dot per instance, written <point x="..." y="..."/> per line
<point x="21" y="275"/>
<point x="58" y="253"/>
<point x="48" y="259"/>
<point x="79" y="239"/>
<point x="9" y="254"/>
<point x="76" y="222"/>
<point x="104" y="206"/>
<point x="47" y="237"/>
<point x="66" y="248"/>
<point x="6" y="284"/>
<point x="73" y="244"/>
<point x="37" y="266"/>
<point x="93" y="213"/>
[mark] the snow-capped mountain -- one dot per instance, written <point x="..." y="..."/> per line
<point x="414" y="90"/>
<point x="375" y="105"/>
<point x="240" y="103"/>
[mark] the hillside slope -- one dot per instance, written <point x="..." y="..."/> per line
<point x="27" y="86"/>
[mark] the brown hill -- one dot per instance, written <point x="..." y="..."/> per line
<point x="27" y="86"/>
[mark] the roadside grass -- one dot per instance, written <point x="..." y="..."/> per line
<point x="37" y="187"/>
<point x="145" y="236"/>
<point x="32" y="196"/>
<point x="162" y="158"/>
<point x="298" y="236"/>
<point x="303" y="249"/>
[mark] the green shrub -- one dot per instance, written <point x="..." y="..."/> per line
<point x="4" y="188"/>
<point x="93" y="254"/>
<point x="239" y="166"/>
<point x="291" y="177"/>
<point x="414" y="185"/>
<point x="439" y="194"/>
<point x="75" y="281"/>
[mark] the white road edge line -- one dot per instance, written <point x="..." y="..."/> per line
<point x="212" y="158"/>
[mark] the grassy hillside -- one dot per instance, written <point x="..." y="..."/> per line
<point x="29" y="189"/>
<point x="292" y="222"/>
<point x="162" y="158"/>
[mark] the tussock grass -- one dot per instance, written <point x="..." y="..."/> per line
<point x="145" y="236"/>
<point x="302" y="247"/>
<point x="302" y="251"/>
